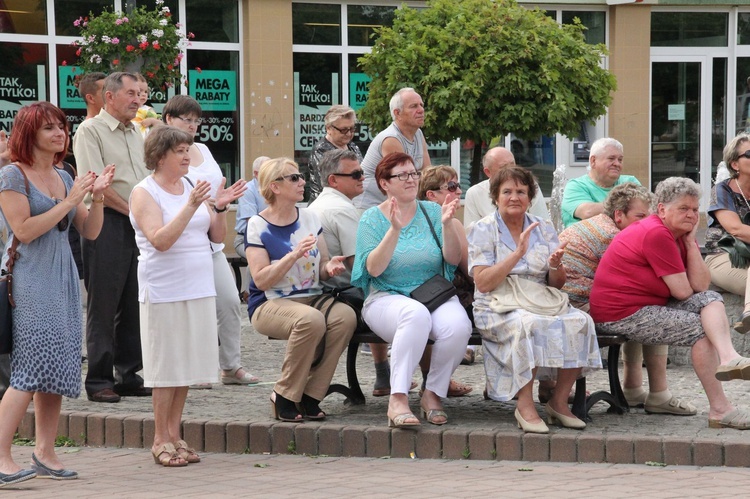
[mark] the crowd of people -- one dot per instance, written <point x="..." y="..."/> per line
<point x="148" y="203"/>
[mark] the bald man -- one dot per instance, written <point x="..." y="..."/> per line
<point x="478" y="202"/>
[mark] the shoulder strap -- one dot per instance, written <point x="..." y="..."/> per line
<point x="12" y="253"/>
<point x="189" y="181"/>
<point x="434" y="234"/>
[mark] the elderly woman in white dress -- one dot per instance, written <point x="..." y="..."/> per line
<point x="174" y="226"/>
<point x="511" y="248"/>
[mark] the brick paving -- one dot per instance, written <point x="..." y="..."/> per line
<point x="236" y="419"/>
<point x="131" y="473"/>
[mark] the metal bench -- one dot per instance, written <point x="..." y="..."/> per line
<point x="581" y="404"/>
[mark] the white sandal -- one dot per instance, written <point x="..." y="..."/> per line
<point x="233" y="379"/>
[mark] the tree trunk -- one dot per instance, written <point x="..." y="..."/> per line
<point x="477" y="174"/>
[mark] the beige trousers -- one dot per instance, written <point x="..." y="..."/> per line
<point x="303" y="326"/>
<point x="727" y="277"/>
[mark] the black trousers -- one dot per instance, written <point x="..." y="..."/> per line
<point x="113" y="337"/>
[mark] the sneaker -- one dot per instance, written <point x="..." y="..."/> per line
<point x="366" y="349"/>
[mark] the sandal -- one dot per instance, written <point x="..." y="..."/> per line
<point x="311" y="408"/>
<point x="457" y="389"/>
<point x="382" y="392"/>
<point x="402" y="421"/>
<point x="186" y="452"/>
<point x="431" y="414"/>
<point x="738" y="368"/>
<point x="469" y="357"/>
<point x="233" y="379"/>
<point x="674" y="406"/>
<point x="736" y="419"/>
<point x="743" y="326"/>
<point x="167" y="456"/>
<point x="284" y="409"/>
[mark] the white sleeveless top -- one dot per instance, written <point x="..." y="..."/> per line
<point x="185" y="271"/>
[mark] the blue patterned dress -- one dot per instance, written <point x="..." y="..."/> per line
<point x="47" y="323"/>
<point x="516" y="342"/>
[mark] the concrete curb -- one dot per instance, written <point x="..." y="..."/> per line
<point x="236" y="437"/>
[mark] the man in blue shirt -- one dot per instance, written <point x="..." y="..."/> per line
<point x="251" y="203"/>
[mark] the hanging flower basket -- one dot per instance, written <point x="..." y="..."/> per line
<point x="146" y="41"/>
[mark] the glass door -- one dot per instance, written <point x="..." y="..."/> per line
<point x="675" y="120"/>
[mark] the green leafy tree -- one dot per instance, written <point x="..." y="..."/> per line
<point x="485" y="69"/>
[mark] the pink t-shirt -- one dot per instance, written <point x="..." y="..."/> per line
<point x="629" y="276"/>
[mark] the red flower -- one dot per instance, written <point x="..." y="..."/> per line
<point x="143" y="45"/>
<point x="170" y="67"/>
<point x="198" y="69"/>
<point x="149" y="74"/>
<point x="78" y="52"/>
<point x="115" y="61"/>
<point x="130" y="48"/>
<point x="156" y="45"/>
<point x="65" y="63"/>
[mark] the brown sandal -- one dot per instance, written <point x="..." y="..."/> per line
<point x="167" y="455"/>
<point x="186" y="453"/>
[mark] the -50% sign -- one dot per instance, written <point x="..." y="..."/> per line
<point x="216" y="133"/>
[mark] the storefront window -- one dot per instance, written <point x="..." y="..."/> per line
<point x="743" y="28"/>
<point x="316" y="24"/>
<point x="213" y="80"/>
<point x="317" y="86"/>
<point x="23" y="78"/>
<point x="594" y="22"/>
<point x="23" y="17"/>
<point x="213" y="20"/>
<point x="689" y="29"/>
<point x="362" y="21"/>
<point x="67" y="11"/>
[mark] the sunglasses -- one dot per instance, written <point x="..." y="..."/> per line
<point x="63" y="223"/>
<point x="404" y="176"/>
<point x="292" y="177"/>
<point x="450" y="186"/>
<point x="745" y="154"/>
<point x="345" y="131"/>
<point x="356" y="174"/>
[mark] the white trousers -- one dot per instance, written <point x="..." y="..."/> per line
<point x="407" y="325"/>
<point x="227" y="313"/>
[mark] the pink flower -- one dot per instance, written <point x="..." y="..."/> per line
<point x="65" y="63"/>
<point x="118" y="21"/>
<point x="115" y="41"/>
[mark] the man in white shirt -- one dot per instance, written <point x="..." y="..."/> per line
<point x="478" y="203"/>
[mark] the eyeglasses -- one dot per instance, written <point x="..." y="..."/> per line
<point x="450" y="186"/>
<point x="345" y="131"/>
<point x="404" y="176"/>
<point x="292" y="177"/>
<point x="356" y="174"/>
<point x="63" y="223"/>
<point x="745" y="154"/>
<point x="195" y="122"/>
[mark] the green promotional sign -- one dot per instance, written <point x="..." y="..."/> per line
<point x="214" y="90"/>
<point x="69" y="96"/>
<point x="359" y="89"/>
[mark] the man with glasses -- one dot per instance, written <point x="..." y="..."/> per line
<point x="342" y="179"/>
<point x="341" y="127"/>
<point x="478" y="203"/>
<point x="113" y="338"/>
<point x="403" y="135"/>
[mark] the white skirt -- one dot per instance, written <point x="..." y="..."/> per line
<point x="180" y="343"/>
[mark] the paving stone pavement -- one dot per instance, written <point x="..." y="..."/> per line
<point x="237" y="419"/>
<point x="131" y="473"/>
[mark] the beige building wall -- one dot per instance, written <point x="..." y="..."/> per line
<point x="629" y="60"/>
<point x="268" y="113"/>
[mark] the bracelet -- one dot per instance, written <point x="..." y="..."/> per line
<point x="222" y="210"/>
<point x="100" y="200"/>
<point x="555" y="268"/>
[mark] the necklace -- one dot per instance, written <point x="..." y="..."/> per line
<point x="742" y="193"/>
<point x="51" y="194"/>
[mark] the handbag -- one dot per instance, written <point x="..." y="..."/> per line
<point x="7" y="303"/>
<point x="437" y="289"/>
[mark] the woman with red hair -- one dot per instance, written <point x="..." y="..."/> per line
<point x="38" y="204"/>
